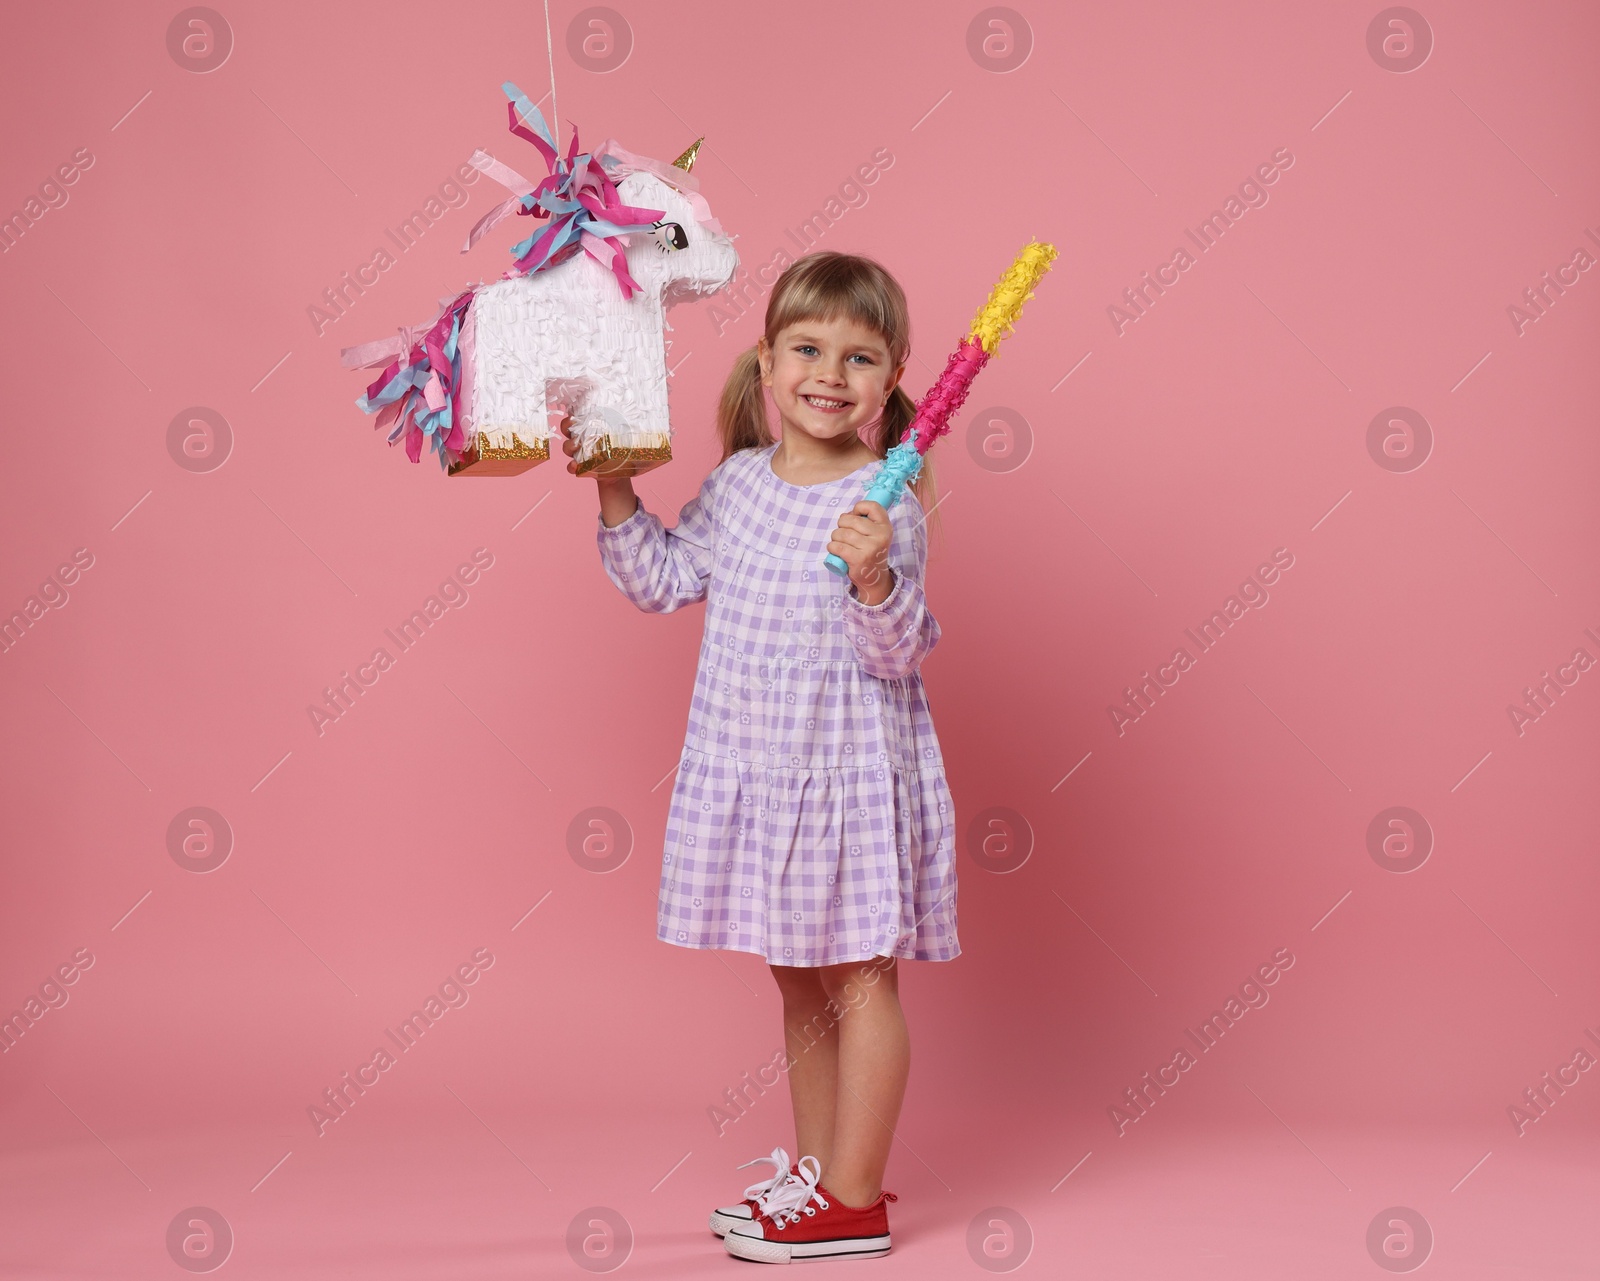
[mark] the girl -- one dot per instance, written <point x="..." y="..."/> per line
<point x="811" y="822"/>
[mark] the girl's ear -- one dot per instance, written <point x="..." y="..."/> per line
<point x="764" y="356"/>
<point x="895" y="381"/>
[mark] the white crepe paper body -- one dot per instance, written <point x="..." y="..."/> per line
<point x="566" y="338"/>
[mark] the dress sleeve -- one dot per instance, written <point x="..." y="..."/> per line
<point x="892" y="637"/>
<point x="661" y="569"/>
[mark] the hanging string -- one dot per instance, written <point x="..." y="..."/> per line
<point x="550" y="49"/>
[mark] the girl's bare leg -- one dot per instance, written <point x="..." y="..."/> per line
<point x="811" y="1038"/>
<point x="874" y="1051"/>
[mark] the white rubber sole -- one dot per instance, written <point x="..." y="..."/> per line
<point x="762" y="1251"/>
<point x="722" y="1223"/>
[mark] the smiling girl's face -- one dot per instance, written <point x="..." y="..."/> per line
<point x="828" y="378"/>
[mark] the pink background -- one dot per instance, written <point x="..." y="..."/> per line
<point x="1165" y="464"/>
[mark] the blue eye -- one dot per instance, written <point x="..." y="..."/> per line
<point x="810" y="349"/>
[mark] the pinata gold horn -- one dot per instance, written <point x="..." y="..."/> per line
<point x="687" y="159"/>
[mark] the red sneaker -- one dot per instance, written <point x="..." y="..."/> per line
<point x="815" y="1225"/>
<point x="757" y="1194"/>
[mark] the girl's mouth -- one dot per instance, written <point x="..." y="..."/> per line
<point x="826" y="404"/>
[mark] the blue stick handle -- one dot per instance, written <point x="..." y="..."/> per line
<point x="900" y="467"/>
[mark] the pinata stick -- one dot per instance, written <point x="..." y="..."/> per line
<point x="903" y="463"/>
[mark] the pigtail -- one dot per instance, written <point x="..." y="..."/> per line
<point x="742" y="411"/>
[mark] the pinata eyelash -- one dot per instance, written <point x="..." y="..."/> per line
<point x="670" y="237"/>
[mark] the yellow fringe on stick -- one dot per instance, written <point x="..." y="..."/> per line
<point x="999" y="315"/>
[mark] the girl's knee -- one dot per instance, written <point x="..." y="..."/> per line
<point x="799" y="983"/>
<point x="849" y="983"/>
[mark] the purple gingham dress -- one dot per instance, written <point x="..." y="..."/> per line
<point x="811" y="822"/>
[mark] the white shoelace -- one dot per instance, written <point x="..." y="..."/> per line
<point x="759" y="1191"/>
<point x="787" y="1202"/>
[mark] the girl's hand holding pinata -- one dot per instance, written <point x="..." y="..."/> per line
<point x="617" y="499"/>
<point x="862" y="542"/>
<point x="568" y="445"/>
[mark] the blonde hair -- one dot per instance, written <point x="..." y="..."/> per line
<point x="826" y="286"/>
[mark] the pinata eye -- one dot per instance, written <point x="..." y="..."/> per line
<point x="670" y="237"/>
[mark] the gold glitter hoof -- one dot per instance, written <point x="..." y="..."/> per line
<point x="613" y="462"/>
<point x="484" y="459"/>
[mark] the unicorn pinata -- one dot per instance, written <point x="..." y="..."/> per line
<point x="577" y="323"/>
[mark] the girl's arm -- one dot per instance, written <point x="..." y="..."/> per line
<point x="892" y="637"/>
<point x="658" y="569"/>
<point x="617" y="501"/>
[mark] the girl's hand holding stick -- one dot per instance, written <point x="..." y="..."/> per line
<point x="862" y="542"/>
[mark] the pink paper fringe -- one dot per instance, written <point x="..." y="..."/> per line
<point x="941" y="401"/>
